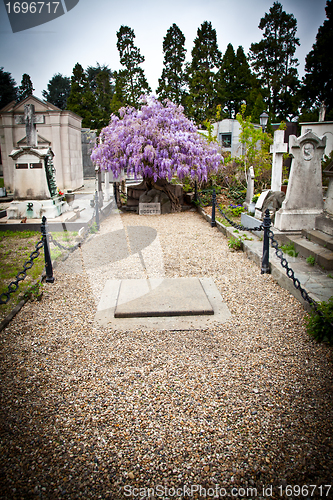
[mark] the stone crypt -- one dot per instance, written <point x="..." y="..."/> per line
<point x="50" y="127"/>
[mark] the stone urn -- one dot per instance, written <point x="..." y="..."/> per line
<point x="69" y="197"/>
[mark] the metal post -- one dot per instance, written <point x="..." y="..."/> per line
<point x="213" y="222"/>
<point x="265" y="269"/>
<point x="47" y="255"/>
<point x="97" y="209"/>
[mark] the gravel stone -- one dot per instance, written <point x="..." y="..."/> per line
<point x="87" y="412"/>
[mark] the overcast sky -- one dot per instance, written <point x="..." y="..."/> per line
<point x="87" y="33"/>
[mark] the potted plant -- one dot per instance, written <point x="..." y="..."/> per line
<point x="284" y="186"/>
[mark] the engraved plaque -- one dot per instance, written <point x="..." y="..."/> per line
<point x="149" y="209"/>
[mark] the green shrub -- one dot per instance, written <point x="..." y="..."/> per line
<point x="235" y="243"/>
<point x="319" y="326"/>
<point x="311" y="260"/>
<point x="289" y="249"/>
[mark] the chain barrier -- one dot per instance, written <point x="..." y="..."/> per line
<point x="289" y="271"/>
<point x="13" y="286"/>
<point x="268" y="235"/>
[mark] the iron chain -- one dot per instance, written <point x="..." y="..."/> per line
<point x="13" y="286"/>
<point x="289" y="271"/>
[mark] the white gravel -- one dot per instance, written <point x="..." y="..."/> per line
<point x="92" y="413"/>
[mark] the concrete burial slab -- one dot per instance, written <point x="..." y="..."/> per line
<point x="162" y="297"/>
<point x="161" y="304"/>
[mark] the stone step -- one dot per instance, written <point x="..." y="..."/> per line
<point x="323" y="257"/>
<point x="323" y="239"/>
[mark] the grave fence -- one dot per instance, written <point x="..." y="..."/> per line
<point x="44" y="243"/>
<point x="268" y="235"/>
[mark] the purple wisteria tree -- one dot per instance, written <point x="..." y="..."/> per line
<point x="156" y="142"/>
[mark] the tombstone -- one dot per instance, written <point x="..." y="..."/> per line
<point x="277" y="148"/>
<point x="250" y="188"/>
<point x="259" y="204"/>
<point x="304" y="197"/>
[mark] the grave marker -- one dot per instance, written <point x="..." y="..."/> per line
<point x="278" y="148"/>
<point x="304" y="198"/>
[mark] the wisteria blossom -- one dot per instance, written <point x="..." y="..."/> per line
<point x="156" y="142"/>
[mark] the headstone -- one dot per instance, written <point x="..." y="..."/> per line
<point x="250" y="187"/>
<point x="304" y="197"/>
<point x="278" y="148"/>
<point x="259" y="204"/>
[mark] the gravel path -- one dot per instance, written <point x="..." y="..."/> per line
<point x="93" y="413"/>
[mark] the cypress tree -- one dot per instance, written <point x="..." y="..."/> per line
<point x="318" y="80"/>
<point x="26" y="87"/>
<point x="171" y="83"/>
<point x="81" y="100"/>
<point x="131" y="79"/>
<point x="206" y="58"/>
<point x="274" y="62"/>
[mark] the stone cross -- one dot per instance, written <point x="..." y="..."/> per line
<point x="304" y="198"/>
<point x="278" y="148"/>
<point x="30" y="119"/>
<point x="250" y="187"/>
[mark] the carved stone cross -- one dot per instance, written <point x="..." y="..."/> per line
<point x="30" y="120"/>
<point x="278" y="148"/>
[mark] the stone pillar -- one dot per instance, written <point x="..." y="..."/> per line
<point x="304" y="198"/>
<point x="107" y="185"/>
<point x="278" y="148"/>
<point x="250" y="187"/>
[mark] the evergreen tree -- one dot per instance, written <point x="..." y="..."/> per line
<point x="58" y="90"/>
<point x="103" y="96"/>
<point x="131" y="79"/>
<point x="26" y="87"/>
<point x="274" y="62"/>
<point x="8" y="88"/>
<point x="101" y="82"/>
<point x="226" y="83"/>
<point x="92" y="73"/>
<point x="81" y="100"/>
<point x="318" y="79"/>
<point x="206" y="57"/>
<point x="172" y="81"/>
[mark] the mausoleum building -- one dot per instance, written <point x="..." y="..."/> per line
<point x="50" y="129"/>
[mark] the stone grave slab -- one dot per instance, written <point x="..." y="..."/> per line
<point x="200" y="307"/>
<point x="162" y="297"/>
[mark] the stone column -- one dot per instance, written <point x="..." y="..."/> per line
<point x="107" y="185"/>
<point x="304" y="198"/>
<point x="250" y="187"/>
<point x="278" y="148"/>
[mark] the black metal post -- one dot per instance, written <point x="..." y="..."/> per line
<point x="97" y="210"/>
<point x="195" y="191"/>
<point x="213" y="222"/>
<point x="47" y="255"/>
<point x="265" y="269"/>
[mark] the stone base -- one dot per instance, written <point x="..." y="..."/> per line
<point x="324" y="223"/>
<point x="33" y="209"/>
<point x="296" y="220"/>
